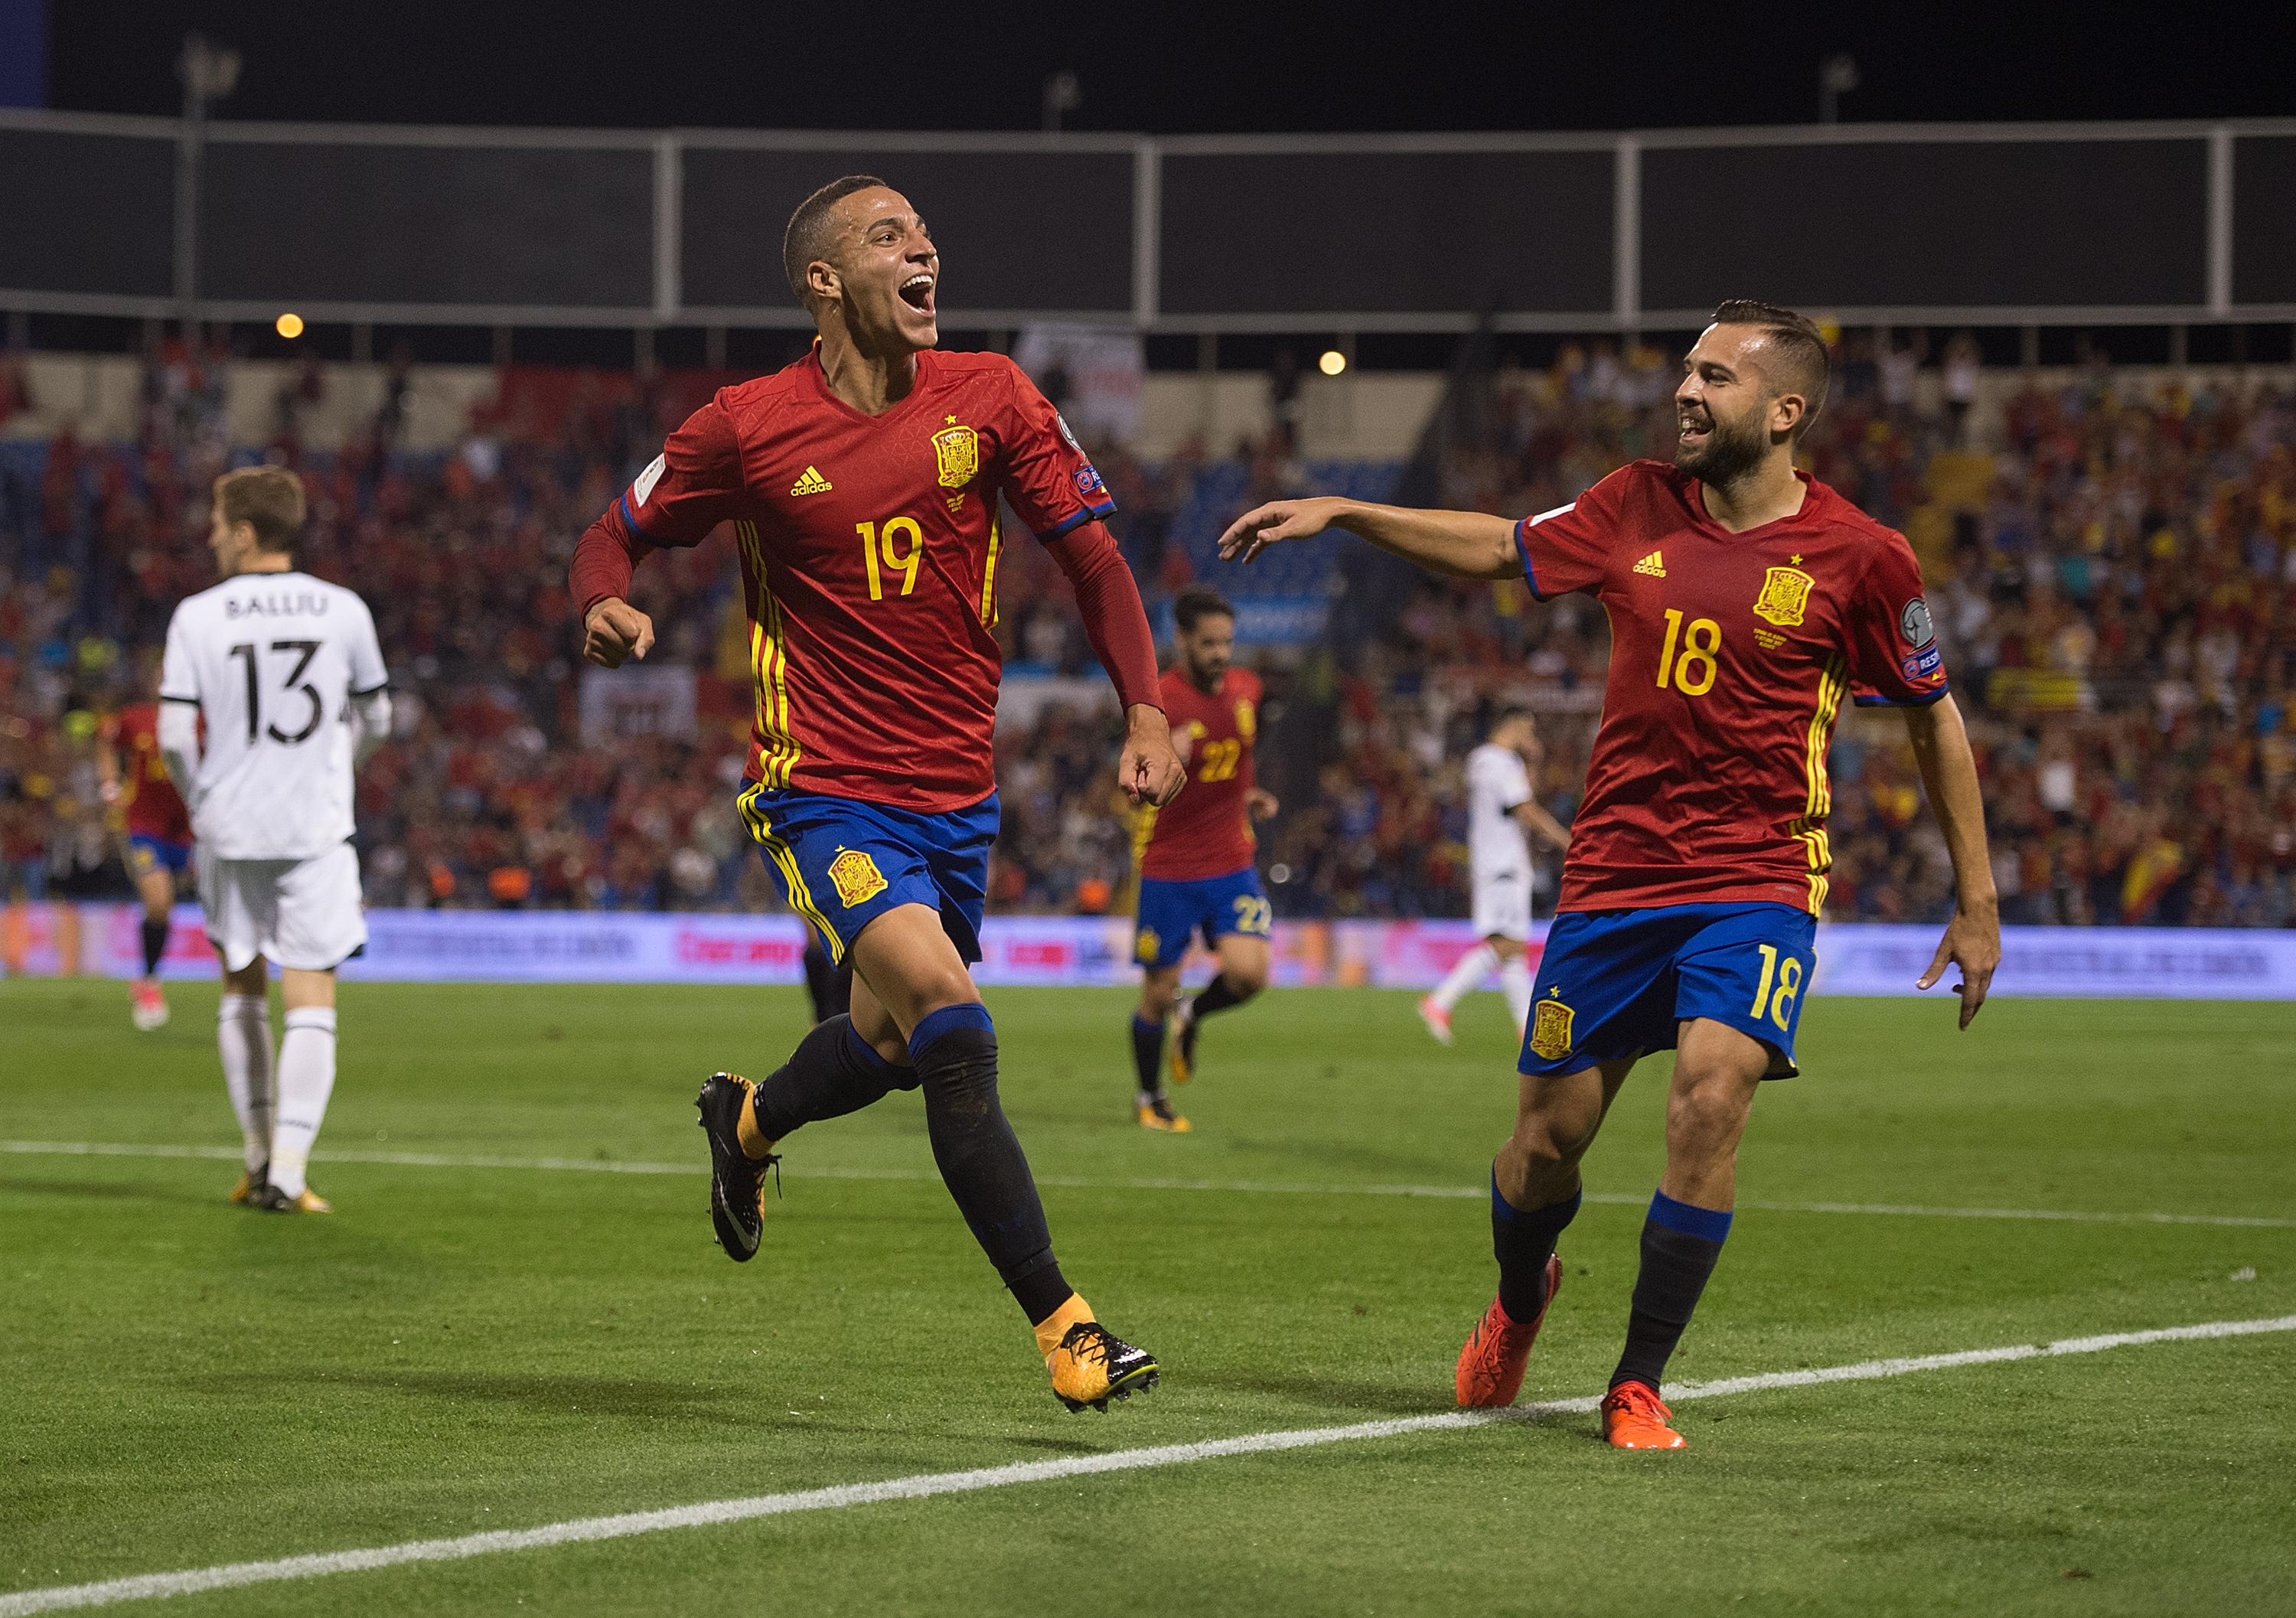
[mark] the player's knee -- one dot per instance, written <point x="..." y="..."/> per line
<point x="1554" y="1138"/>
<point x="1246" y="981"/>
<point x="1706" y="1114"/>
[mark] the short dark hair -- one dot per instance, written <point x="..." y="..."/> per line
<point x="807" y="237"/>
<point x="269" y="499"/>
<point x="1807" y="368"/>
<point x="1511" y="712"/>
<point x="1197" y="603"/>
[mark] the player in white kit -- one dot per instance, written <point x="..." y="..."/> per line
<point x="1500" y="808"/>
<point x="284" y="670"/>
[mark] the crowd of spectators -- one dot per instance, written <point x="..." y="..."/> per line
<point x="2113" y="599"/>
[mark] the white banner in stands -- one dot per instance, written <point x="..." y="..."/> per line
<point x="621" y="946"/>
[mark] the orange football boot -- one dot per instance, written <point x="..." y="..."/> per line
<point x="1633" y="1418"/>
<point x="1491" y="1364"/>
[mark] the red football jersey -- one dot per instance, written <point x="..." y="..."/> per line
<point x="1730" y="654"/>
<point x="1207" y="830"/>
<point x="148" y="799"/>
<point x="869" y="548"/>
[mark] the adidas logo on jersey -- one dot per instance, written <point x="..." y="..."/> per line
<point x="1654" y="564"/>
<point x="812" y="483"/>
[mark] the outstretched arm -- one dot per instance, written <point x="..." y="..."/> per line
<point x="1470" y="544"/>
<point x="1117" y="624"/>
<point x="1973" y="938"/>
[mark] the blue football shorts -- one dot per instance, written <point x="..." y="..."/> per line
<point x="843" y="863"/>
<point x="1613" y="984"/>
<point x="147" y="854"/>
<point x="1215" y="906"/>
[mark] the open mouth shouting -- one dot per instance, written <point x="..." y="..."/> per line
<point x="1696" y="428"/>
<point x="917" y="292"/>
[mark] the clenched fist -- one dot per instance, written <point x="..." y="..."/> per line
<point x="615" y="632"/>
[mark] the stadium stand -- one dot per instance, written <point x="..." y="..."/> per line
<point x="2111" y="579"/>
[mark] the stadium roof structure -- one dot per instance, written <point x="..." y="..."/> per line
<point x="2090" y="223"/>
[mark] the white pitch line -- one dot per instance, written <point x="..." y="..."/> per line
<point x="586" y="1165"/>
<point x="235" y="1575"/>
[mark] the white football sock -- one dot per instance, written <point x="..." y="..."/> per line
<point x="307" y="1077"/>
<point x="1514" y="982"/>
<point x="1469" y="973"/>
<point x="243" y="1036"/>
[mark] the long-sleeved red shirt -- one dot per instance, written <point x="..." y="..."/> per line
<point x="869" y="548"/>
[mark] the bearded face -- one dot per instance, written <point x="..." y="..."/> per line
<point x="1719" y="449"/>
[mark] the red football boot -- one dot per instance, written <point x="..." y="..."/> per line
<point x="1491" y="1364"/>
<point x="1633" y="1418"/>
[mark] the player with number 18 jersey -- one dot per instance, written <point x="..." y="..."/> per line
<point x="1707" y="795"/>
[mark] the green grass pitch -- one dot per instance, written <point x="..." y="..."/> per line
<point x="461" y="1349"/>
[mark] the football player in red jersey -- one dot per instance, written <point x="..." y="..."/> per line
<point x="1196" y="874"/>
<point x="864" y="484"/>
<point x="134" y="781"/>
<point x="1746" y="600"/>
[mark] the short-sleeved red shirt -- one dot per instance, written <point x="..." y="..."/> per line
<point x="1207" y="830"/>
<point x="1730" y="655"/>
<point x="149" y="800"/>
<point x="869" y="549"/>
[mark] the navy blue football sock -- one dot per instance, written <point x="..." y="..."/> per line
<point x="1523" y="1239"/>
<point x="155" y="943"/>
<point x="980" y="1159"/>
<point x="831" y="1072"/>
<point x="1680" y="1244"/>
<point x="1219" y="995"/>
<point x="1148" y="1052"/>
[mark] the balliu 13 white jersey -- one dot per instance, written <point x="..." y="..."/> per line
<point x="1497" y="783"/>
<point x="272" y="661"/>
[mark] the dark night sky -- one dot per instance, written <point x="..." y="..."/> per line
<point x="1170" y="68"/>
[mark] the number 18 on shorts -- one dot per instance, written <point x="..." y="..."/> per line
<point x="1615" y="983"/>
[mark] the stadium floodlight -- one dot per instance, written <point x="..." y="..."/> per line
<point x="210" y="73"/>
<point x="289" y="325"/>
<point x="1836" y="76"/>
<point x="1063" y="94"/>
<point x="1332" y="362"/>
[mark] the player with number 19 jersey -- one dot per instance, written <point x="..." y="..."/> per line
<point x="1700" y="850"/>
<point x="870" y="549"/>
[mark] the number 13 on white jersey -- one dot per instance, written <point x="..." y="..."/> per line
<point x="272" y="661"/>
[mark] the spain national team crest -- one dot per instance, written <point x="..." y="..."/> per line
<point x="1148" y="946"/>
<point x="1550" y="1030"/>
<point x="1785" y="596"/>
<point x="957" y="450"/>
<point x="857" y="877"/>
